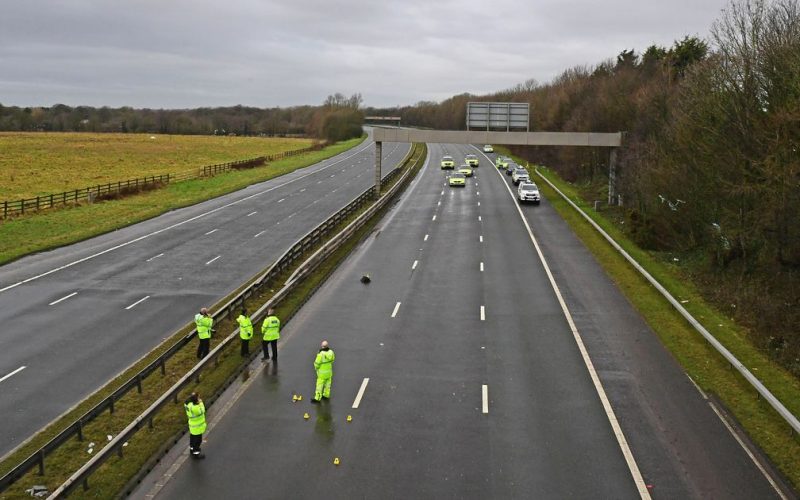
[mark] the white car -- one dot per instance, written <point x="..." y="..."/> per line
<point x="519" y="176"/>
<point x="528" y="191"/>
<point x="488" y="149"/>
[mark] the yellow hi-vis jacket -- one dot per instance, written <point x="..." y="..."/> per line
<point x="271" y="328"/>
<point x="196" y="413"/>
<point x="245" y="327"/>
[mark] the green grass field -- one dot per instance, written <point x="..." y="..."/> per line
<point x="34" y="164"/>
<point x="53" y="228"/>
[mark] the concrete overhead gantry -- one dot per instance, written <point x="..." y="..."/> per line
<point x="591" y="139"/>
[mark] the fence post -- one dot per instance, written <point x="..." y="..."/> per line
<point x="37" y="203"/>
<point x="22" y="206"/>
<point x="51" y="201"/>
<point x="5" y="209"/>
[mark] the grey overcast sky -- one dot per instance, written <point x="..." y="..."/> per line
<point x="192" y="53"/>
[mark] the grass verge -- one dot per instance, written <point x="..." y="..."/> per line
<point x="701" y="361"/>
<point x="47" y="230"/>
<point x="170" y="422"/>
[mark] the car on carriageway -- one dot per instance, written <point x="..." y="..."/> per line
<point x="447" y="162"/>
<point x="466" y="170"/>
<point x="457" y="180"/>
<point x="519" y="176"/>
<point x="472" y="161"/>
<point x="488" y="148"/>
<point x="502" y="161"/>
<point x="528" y="191"/>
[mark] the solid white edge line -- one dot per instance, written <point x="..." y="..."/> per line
<point x="414" y="266"/>
<point x="360" y="394"/>
<point x="612" y="418"/>
<point x="747" y="450"/>
<point x="12" y="373"/>
<point x="485" y="397"/>
<point x="178" y="224"/>
<point x="155" y="257"/>
<point x="137" y="303"/>
<point x="62" y="299"/>
<point x="396" y="308"/>
<point x="483" y="313"/>
<point x="212" y="260"/>
<point x="212" y="231"/>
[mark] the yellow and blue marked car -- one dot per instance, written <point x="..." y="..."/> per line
<point x="472" y="160"/>
<point x="466" y="170"/>
<point x="448" y="162"/>
<point x="501" y="161"/>
<point x="456" y="179"/>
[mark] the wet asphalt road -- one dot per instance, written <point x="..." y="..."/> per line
<point x="460" y="300"/>
<point x="91" y="309"/>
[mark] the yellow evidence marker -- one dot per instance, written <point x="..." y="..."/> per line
<point x="336" y="461"/>
<point x="349" y="418"/>
<point x="306" y="416"/>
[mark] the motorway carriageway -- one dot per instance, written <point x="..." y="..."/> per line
<point x="75" y="317"/>
<point x="489" y="357"/>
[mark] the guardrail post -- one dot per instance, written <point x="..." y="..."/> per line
<point x="85" y="484"/>
<point x="163" y="366"/>
<point x="80" y="430"/>
<point x="41" y="462"/>
<point x="139" y="383"/>
<point x="111" y="401"/>
<point x="378" y="154"/>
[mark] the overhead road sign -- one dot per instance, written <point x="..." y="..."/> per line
<point x="506" y="116"/>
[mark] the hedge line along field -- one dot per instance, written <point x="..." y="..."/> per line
<point x="39" y="163"/>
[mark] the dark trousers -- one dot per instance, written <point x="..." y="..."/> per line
<point x="203" y="347"/>
<point x="245" y="347"/>
<point x="265" y="344"/>
<point x="195" y="440"/>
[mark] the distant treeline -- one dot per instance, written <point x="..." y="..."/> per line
<point x="338" y="118"/>
<point x="710" y="168"/>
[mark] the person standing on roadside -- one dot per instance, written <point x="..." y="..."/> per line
<point x="323" y="365"/>
<point x="271" y="328"/>
<point x="204" y="322"/>
<point x="196" y="414"/>
<point x="245" y="332"/>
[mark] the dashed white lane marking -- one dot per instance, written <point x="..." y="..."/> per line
<point x="155" y="257"/>
<point x="62" y="299"/>
<point x="434" y="218"/>
<point x="414" y="266"/>
<point x="477" y="193"/>
<point x="438" y="203"/>
<point x="302" y="190"/>
<point x="259" y="233"/>
<point x="251" y="213"/>
<point x="483" y="313"/>
<point x="212" y="260"/>
<point x="442" y="191"/>
<point x="396" y="308"/>
<point x="479" y="219"/>
<point x="481" y="266"/>
<point x="292" y="215"/>
<point x="281" y="200"/>
<point x="598" y="385"/>
<point x="137" y="302"/>
<point x="479" y="203"/>
<point x="12" y="373"/>
<point x="178" y="224"/>
<point x="333" y="175"/>
<point x="485" y="397"/>
<point x="425" y="238"/>
<point x="343" y="170"/>
<point x="319" y="182"/>
<point x="212" y="231"/>
<point x="480" y="238"/>
<point x="360" y="393"/>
